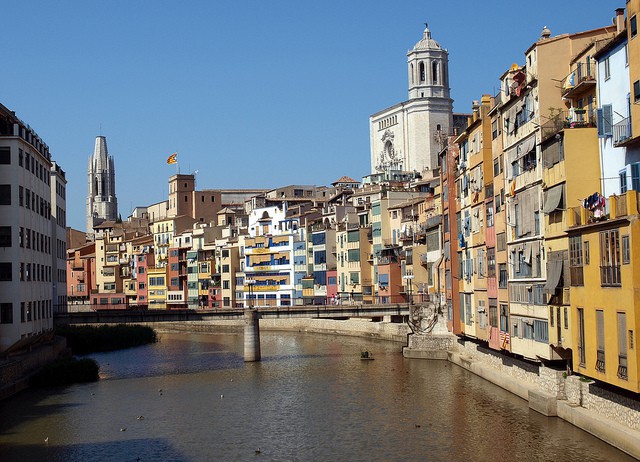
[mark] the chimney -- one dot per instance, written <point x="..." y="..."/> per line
<point x="476" y="109"/>
<point x="618" y="21"/>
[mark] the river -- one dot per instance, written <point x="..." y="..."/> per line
<point x="191" y="397"/>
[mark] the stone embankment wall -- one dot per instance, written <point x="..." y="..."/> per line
<point x="610" y="416"/>
<point x="15" y="371"/>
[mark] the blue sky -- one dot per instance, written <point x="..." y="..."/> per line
<point x="252" y="93"/>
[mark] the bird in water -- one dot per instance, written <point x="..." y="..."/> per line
<point x="140" y="417"/>
<point x="221" y="396"/>
<point x="46" y="440"/>
<point x="123" y="429"/>
<point x="258" y="451"/>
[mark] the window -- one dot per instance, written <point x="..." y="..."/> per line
<point x="633" y="26"/>
<point x="493" y="312"/>
<point x="610" y="258"/>
<point x="636" y="91"/>
<point x="622" y="346"/>
<point x="540" y="331"/>
<point x="575" y="261"/>
<point x="320" y="257"/>
<point x="5" y="194"/>
<point x="494" y="129"/>
<point x="225" y="285"/>
<point x="489" y="213"/>
<point x="6" y="313"/>
<point x="5" y="155"/>
<point x="225" y="268"/>
<point x="626" y="250"/>
<point x="491" y="262"/>
<point x="586" y="252"/>
<point x="354" y="278"/>
<point x="600" y="357"/>
<point x="353" y="255"/>
<point x="504" y="317"/>
<point x="318" y="238"/>
<point x="5" y="236"/>
<point x="6" y="270"/>
<point x="502" y="276"/>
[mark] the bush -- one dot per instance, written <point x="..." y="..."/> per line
<point x="66" y="371"/>
<point x="92" y="339"/>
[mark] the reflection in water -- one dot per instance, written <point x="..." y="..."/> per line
<point x="311" y="398"/>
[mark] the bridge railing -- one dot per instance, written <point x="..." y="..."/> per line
<point x="356" y="299"/>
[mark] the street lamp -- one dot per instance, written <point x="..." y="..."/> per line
<point x="409" y="279"/>
<point x="250" y="283"/>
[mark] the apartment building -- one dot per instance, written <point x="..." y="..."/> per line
<point x="32" y="236"/>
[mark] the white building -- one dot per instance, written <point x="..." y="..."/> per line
<point x="269" y="268"/>
<point x="619" y="165"/>
<point x="31" y="251"/>
<point x="59" y="233"/>
<point x="101" y="200"/>
<point x="402" y="137"/>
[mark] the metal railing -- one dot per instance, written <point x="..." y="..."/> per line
<point x="622" y="131"/>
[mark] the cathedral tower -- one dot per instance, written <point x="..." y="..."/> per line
<point x="101" y="201"/>
<point x="402" y="136"/>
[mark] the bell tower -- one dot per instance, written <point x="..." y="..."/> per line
<point x="403" y="136"/>
<point x="102" y="203"/>
<point x="428" y="69"/>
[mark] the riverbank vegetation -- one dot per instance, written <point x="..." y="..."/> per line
<point x="92" y="339"/>
<point x="66" y="371"/>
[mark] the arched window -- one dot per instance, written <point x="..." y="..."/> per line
<point x="434" y="71"/>
<point x="411" y="74"/>
<point x="422" y="72"/>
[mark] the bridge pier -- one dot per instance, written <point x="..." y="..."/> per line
<point x="251" y="336"/>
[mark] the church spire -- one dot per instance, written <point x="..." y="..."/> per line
<point x="102" y="203"/>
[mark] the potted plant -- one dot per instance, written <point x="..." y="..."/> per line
<point x="580" y="110"/>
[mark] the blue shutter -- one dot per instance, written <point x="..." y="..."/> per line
<point x="600" y="122"/>
<point x="607" y="119"/>
<point x="635" y="176"/>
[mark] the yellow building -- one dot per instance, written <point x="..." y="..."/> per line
<point x="605" y="277"/>
<point x="157" y="287"/>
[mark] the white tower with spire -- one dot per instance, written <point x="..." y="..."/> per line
<point x="101" y="200"/>
<point x="402" y="136"/>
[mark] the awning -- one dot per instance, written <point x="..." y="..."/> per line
<point x="520" y="149"/>
<point x="553" y="276"/>
<point x="552" y="199"/>
<point x="525" y="147"/>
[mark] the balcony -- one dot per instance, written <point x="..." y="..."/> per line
<point x="562" y="120"/>
<point x="622" y="131"/>
<point x="580" y="80"/>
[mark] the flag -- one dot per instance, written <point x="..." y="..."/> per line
<point x="173" y="158"/>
